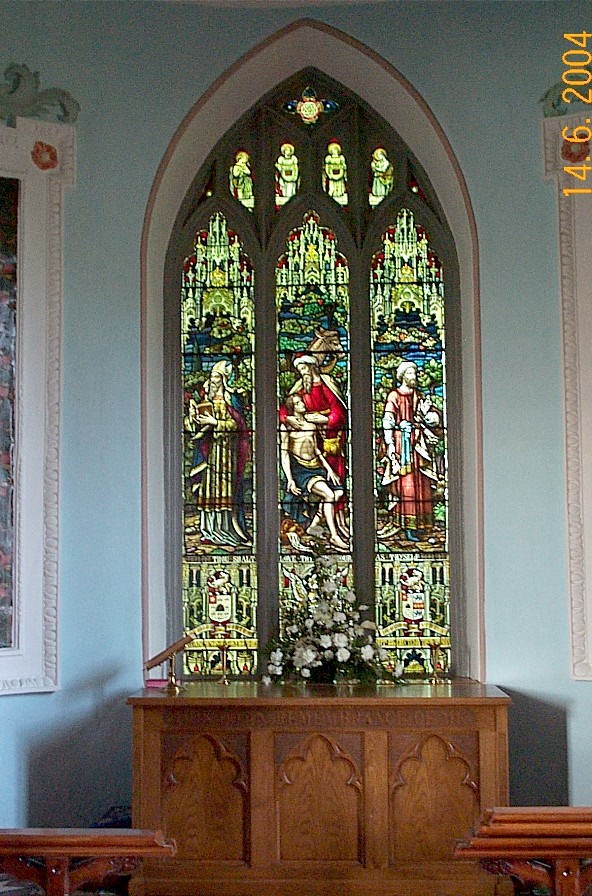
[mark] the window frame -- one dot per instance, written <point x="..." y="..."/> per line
<point x="31" y="665"/>
<point x="575" y="273"/>
<point x="377" y="83"/>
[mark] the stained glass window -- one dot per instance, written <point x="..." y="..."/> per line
<point x="412" y="562"/>
<point x="349" y="371"/>
<point x="312" y="295"/>
<point x="309" y="106"/>
<point x="9" y="190"/>
<point x="219" y="563"/>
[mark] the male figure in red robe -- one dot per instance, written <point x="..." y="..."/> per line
<point x="321" y="395"/>
<point x="410" y="473"/>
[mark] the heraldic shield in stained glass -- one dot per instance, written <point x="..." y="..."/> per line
<point x="9" y="195"/>
<point x="409" y="372"/>
<point x="312" y="296"/>
<point x="219" y="566"/>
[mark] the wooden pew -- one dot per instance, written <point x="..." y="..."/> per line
<point x="62" y="860"/>
<point x="546" y="847"/>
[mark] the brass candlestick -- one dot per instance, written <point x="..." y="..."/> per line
<point x="435" y="657"/>
<point x="224" y="651"/>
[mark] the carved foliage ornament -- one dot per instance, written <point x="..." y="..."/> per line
<point x="44" y="155"/>
<point x="21" y="96"/>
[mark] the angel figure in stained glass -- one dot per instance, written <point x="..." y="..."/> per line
<point x="383" y="176"/>
<point x="287" y="175"/>
<point x="241" y="180"/>
<point x="335" y="173"/>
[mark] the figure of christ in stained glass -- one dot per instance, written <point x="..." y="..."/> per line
<point x="309" y="477"/>
<point x="412" y="574"/>
<point x="219" y="569"/>
<point x="9" y="197"/>
<point x="313" y="387"/>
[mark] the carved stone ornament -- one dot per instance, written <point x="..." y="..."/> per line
<point x="21" y="97"/>
<point x="553" y="102"/>
<point x="45" y="156"/>
<point x="575" y="226"/>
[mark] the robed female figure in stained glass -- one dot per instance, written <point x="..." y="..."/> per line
<point x="410" y="473"/>
<point x="383" y="176"/>
<point x="287" y="175"/>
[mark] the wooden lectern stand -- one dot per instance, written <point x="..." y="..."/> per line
<point x="62" y="860"/>
<point x="542" y="846"/>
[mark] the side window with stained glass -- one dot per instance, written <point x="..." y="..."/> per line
<point x="9" y="200"/>
<point x="219" y="562"/>
<point x="409" y="377"/>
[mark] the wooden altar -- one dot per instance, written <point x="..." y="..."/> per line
<point x="283" y="791"/>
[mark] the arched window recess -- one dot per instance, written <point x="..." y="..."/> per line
<point x="312" y="235"/>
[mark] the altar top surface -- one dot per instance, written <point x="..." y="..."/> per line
<point x="254" y="693"/>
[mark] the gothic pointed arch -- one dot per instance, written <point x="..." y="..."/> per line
<point x="309" y="45"/>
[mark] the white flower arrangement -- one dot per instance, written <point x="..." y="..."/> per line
<point x="325" y="638"/>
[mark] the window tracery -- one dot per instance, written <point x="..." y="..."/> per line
<point x="390" y="229"/>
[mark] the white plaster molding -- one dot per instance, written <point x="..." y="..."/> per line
<point x="31" y="664"/>
<point x="306" y="43"/>
<point x="575" y="254"/>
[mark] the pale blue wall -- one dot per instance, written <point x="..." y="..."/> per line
<point x="136" y="69"/>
